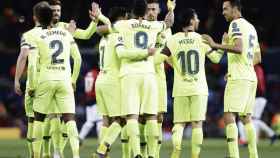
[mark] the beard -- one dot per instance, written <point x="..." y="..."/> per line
<point x="56" y="19"/>
<point x="151" y="18"/>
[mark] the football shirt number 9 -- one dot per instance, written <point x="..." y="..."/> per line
<point x="141" y="40"/>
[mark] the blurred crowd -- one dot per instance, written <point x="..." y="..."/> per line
<point x="16" y="18"/>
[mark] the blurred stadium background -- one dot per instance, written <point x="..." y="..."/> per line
<point x="16" y="18"/>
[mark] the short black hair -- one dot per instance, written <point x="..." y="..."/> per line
<point x="152" y="1"/>
<point x="43" y="13"/>
<point x="55" y="2"/>
<point x="235" y="3"/>
<point x="140" y="8"/>
<point x="116" y="12"/>
<point x="185" y="18"/>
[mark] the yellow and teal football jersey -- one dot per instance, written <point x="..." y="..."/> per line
<point x="55" y="46"/>
<point x="108" y="60"/>
<point x="241" y="66"/>
<point x="139" y="35"/>
<point x="188" y="58"/>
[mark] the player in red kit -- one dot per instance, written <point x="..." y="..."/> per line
<point x="92" y="117"/>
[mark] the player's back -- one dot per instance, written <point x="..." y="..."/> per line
<point x="188" y="57"/>
<point x="54" y="54"/>
<point x="108" y="60"/>
<point x="241" y="66"/>
<point x="139" y="34"/>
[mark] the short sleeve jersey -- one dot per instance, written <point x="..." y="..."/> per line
<point x="188" y="57"/>
<point x="240" y="66"/>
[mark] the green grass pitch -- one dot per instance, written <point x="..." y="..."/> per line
<point x="212" y="148"/>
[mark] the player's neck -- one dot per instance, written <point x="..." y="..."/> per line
<point x="140" y="19"/>
<point x="188" y="29"/>
<point x="237" y="16"/>
<point x="55" y="23"/>
<point x="37" y="24"/>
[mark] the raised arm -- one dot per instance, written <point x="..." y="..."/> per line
<point x="75" y="54"/>
<point x="95" y="13"/>
<point x="87" y="33"/>
<point x="169" y="18"/>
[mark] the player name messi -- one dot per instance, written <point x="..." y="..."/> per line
<point x="186" y="41"/>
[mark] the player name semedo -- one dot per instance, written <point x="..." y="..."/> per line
<point x="54" y="32"/>
<point x="137" y="25"/>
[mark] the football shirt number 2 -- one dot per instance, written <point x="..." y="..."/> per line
<point x="57" y="46"/>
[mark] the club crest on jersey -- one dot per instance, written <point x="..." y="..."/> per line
<point x="43" y="36"/>
<point x="235" y="27"/>
<point x="120" y="39"/>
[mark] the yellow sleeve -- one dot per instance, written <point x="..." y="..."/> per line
<point x="28" y="41"/>
<point x="257" y="54"/>
<point x="163" y="26"/>
<point x="75" y="54"/>
<point x="32" y="67"/>
<point x="159" y="58"/>
<point x="87" y="33"/>
<point x="214" y="55"/>
<point x="129" y="53"/>
<point x="104" y="19"/>
<point x="257" y="47"/>
<point x="161" y="42"/>
<point x="164" y="54"/>
<point x="170" y="44"/>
